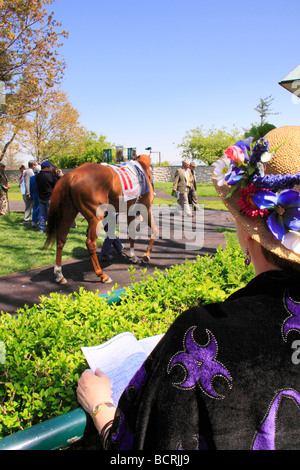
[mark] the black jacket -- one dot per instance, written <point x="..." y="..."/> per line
<point x="224" y="376"/>
<point x="45" y="181"/>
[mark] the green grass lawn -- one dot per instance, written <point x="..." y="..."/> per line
<point x="14" y="193"/>
<point x="22" y="247"/>
<point x="203" y="190"/>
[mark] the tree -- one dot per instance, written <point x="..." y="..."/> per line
<point x="264" y="108"/>
<point x="12" y="157"/>
<point x="257" y="132"/>
<point x="53" y="127"/>
<point x="208" y="146"/>
<point x="88" y="150"/>
<point x="29" y="60"/>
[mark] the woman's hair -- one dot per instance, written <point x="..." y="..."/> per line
<point x="278" y="261"/>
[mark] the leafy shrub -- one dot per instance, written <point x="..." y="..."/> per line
<point x="43" y="360"/>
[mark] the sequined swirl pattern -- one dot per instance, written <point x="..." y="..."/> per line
<point x="200" y="364"/>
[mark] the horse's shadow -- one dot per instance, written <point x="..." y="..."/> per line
<point x="80" y="270"/>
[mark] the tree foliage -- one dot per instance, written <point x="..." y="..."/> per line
<point x="53" y="127"/>
<point x="264" y="109"/>
<point x="29" y="60"/>
<point x="257" y="132"/>
<point x="90" y="149"/>
<point x="208" y="145"/>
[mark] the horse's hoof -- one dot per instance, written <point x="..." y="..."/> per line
<point x="146" y="259"/>
<point x="107" y="280"/>
<point x="62" y="280"/>
<point x="134" y="259"/>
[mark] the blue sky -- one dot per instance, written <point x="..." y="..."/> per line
<point x="143" y="72"/>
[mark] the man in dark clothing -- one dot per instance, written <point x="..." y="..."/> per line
<point x="192" y="196"/>
<point x="45" y="181"/>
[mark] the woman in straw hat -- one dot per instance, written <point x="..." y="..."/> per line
<point x="226" y="375"/>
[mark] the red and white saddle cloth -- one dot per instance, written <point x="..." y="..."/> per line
<point x="133" y="179"/>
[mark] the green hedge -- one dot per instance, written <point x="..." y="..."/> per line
<point x="43" y="360"/>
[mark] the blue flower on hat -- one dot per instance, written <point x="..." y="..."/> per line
<point x="285" y="210"/>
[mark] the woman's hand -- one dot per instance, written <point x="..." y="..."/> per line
<point x="93" y="389"/>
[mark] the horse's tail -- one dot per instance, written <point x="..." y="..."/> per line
<point x="60" y="204"/>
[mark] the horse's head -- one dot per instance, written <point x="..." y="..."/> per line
<point x="145" y="161"/>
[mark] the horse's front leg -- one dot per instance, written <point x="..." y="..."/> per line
<point x="153" y="228"/>
<point x="91" y="244"/>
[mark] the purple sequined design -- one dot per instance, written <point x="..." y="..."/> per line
<point x="200" y="364"/>
<point x="137" y="380"/>
<point x="293" y="321"/>
<point x="123" y="435"/>
<point x="265" y="439"/>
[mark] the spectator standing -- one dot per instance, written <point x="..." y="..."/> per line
<point x="35" y="197"/>
<point x="21" y="178"/>
<point x="181" y="185"/>
<point x="111" y="239"/>
<point x="193" y="200"/>
<point x="22" y="181"/>
<point x="26" y="196"/>
<point x="45" y="180"/>
<point x="4" y="187"/>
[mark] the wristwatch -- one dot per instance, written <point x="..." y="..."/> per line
<point x="99" y="407"/>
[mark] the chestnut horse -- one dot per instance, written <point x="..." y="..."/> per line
<point x="88" y="190"/>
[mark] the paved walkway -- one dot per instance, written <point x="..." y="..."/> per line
<point x="19" y="289"/>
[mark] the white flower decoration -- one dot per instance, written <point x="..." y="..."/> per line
<point x="291" y="241"/>
<point x="266" y="157"/>
<point x="261" y="169"/>
<point x="222" y="168"/>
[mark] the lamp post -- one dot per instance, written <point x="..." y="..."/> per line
<point x="159" y="157"/>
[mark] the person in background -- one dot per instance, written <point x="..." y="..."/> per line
<point x="22" y="168"/>
<point x="45" y="181"/>
<point x="35" y="197"/>
<point x="181" y="184"/>
<point x="26" y="196"/>
<point x="192" y="196"/>
<point x="22" y="181"/>
<point x="225" y="376"/>
<point x="111" y="239"/>
<point x="4" y="187"/>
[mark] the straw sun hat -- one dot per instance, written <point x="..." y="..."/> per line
<point x="259" y="184"/>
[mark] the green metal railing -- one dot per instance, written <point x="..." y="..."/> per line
<point x="55" y="433"/>
<point x="59" y="432"/>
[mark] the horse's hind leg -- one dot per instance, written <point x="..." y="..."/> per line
<point x="130" y="222"/>
<point x="60" y="243"/>
<point x="59" y="277"/>
<point x="91" y="243"/>
<point x="153" y="228"/>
